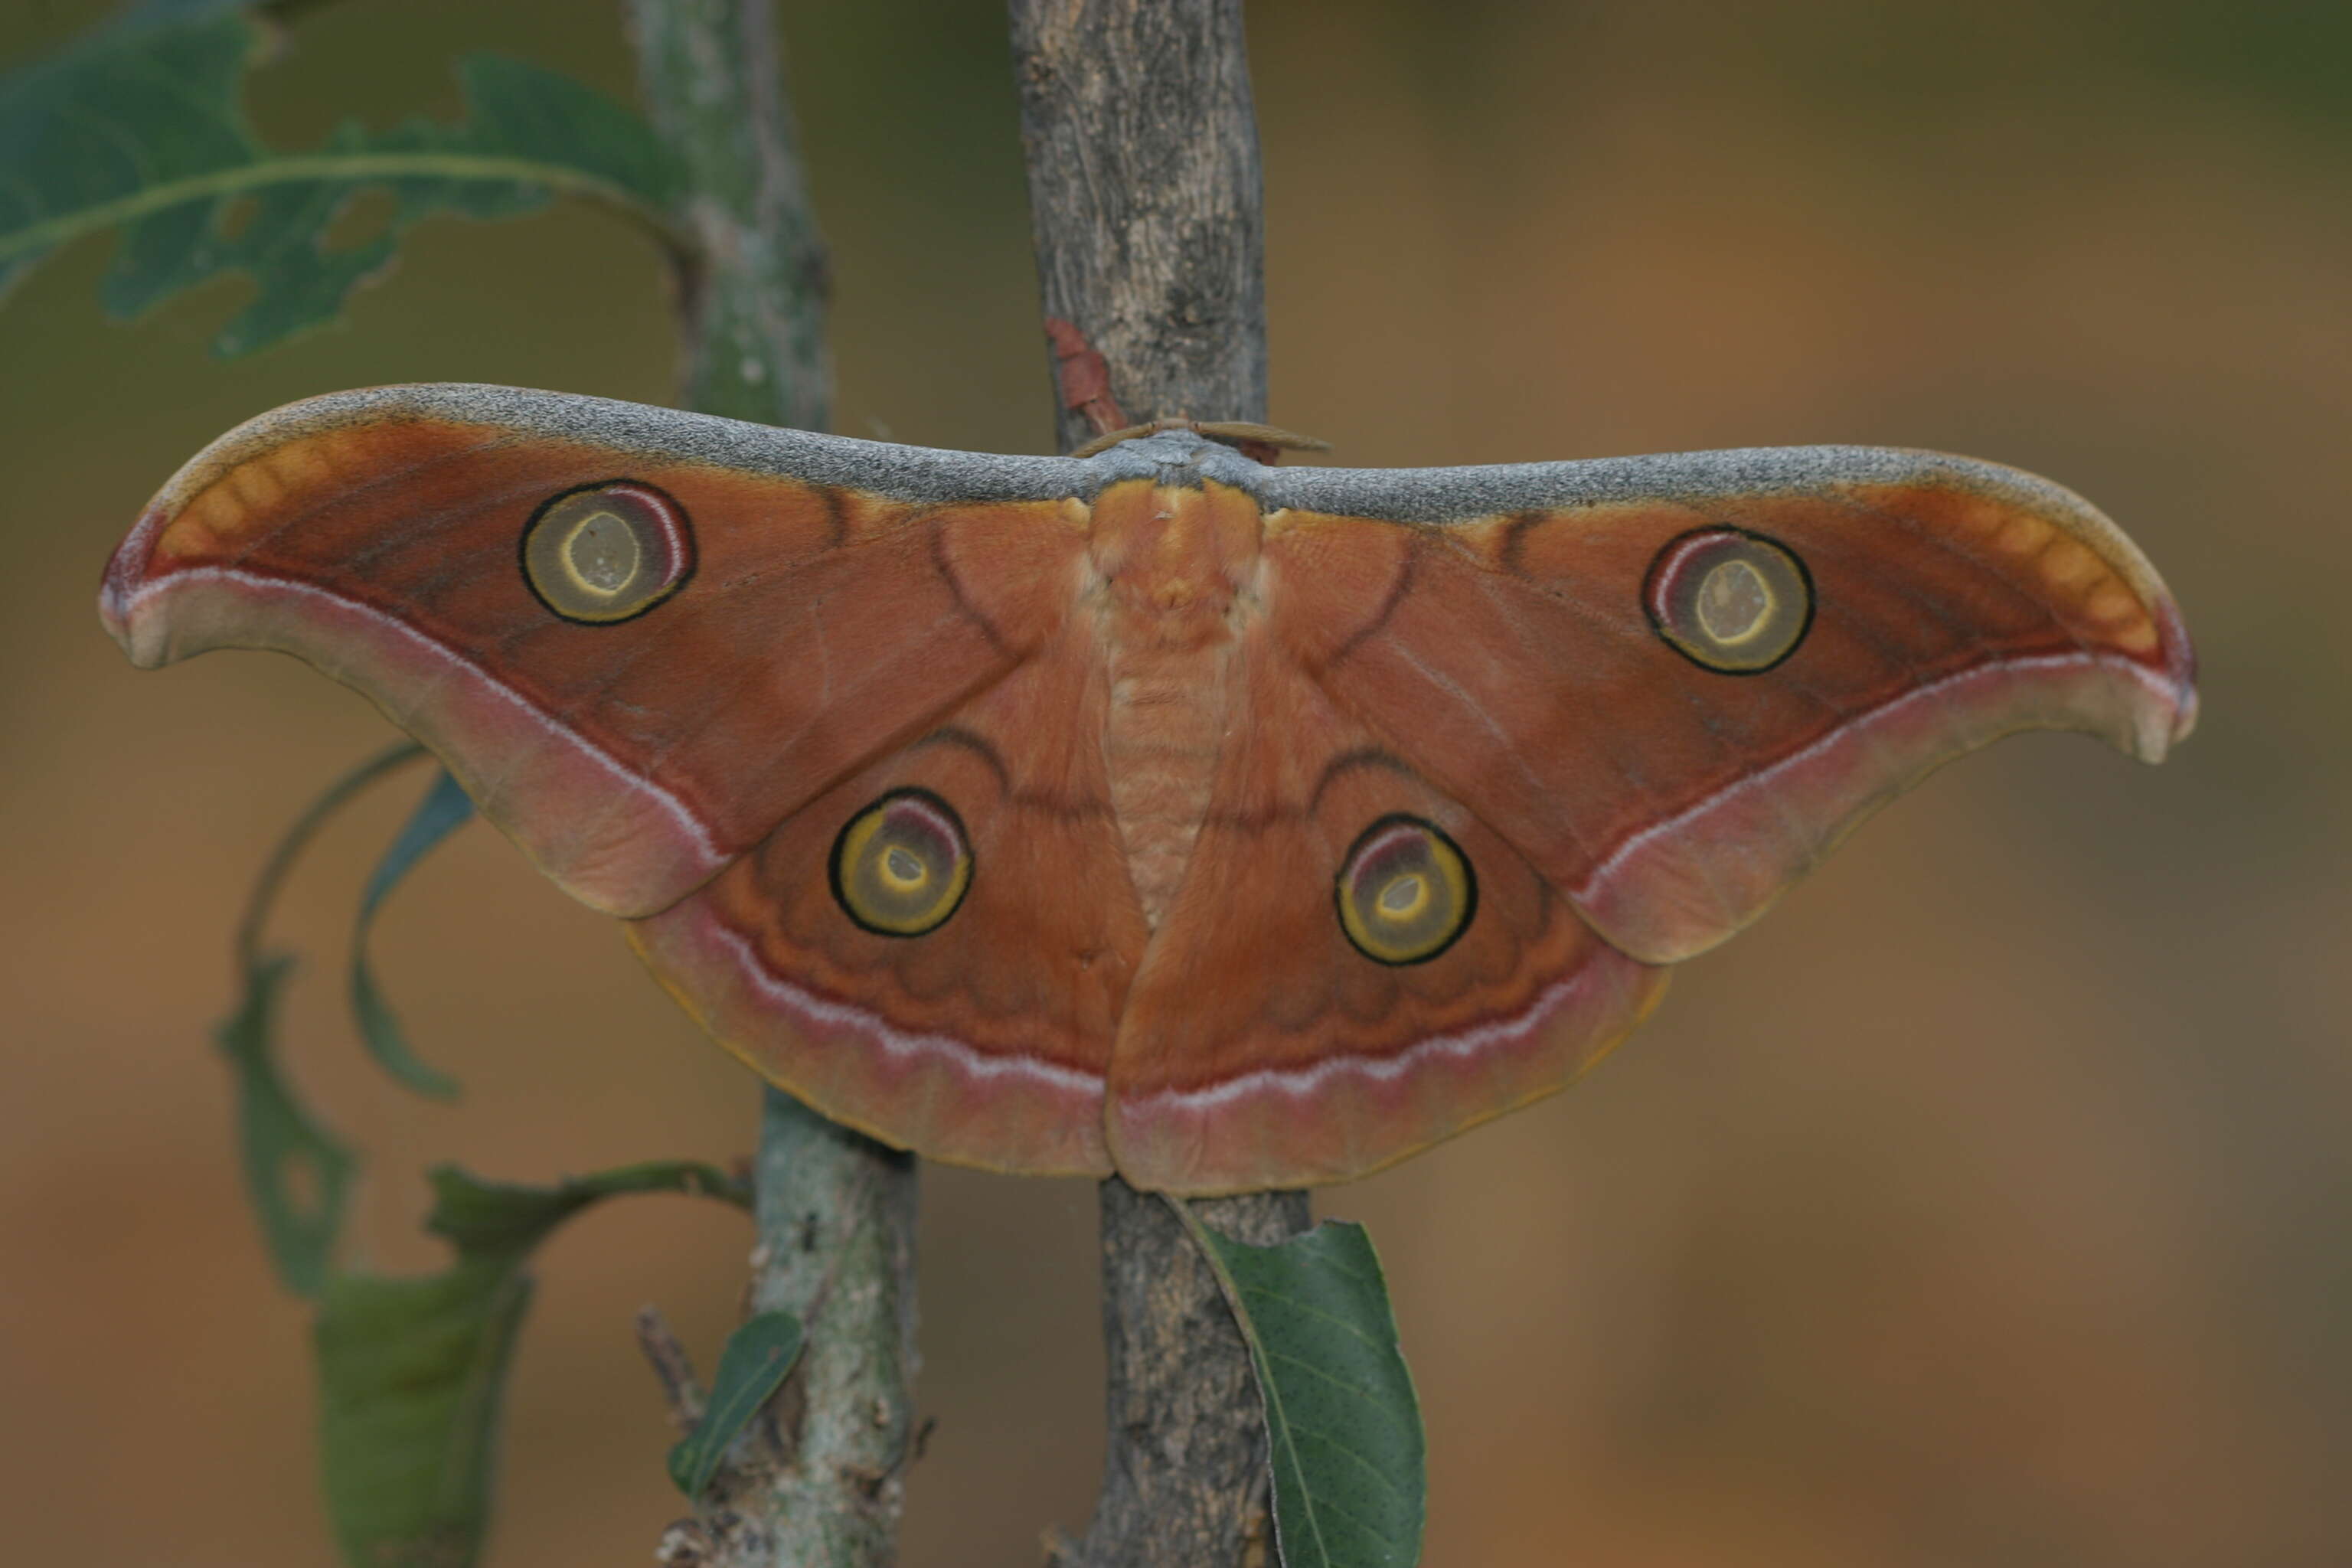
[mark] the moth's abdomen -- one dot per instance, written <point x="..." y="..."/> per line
<point x="1167" y="716"/>
<point x="1173" y="565"/>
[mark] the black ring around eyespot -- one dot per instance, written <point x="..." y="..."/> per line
<point x="1665" y="635"/>
<point x="1469" y="887"/>
<point x="840" y="840"/>
<point x="690" y="557"/>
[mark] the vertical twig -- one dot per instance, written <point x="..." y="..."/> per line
<point x="1146" y="202"/>
<point x="751" y="303"/>
<point x="1145" y="199"/>
<point x="821" y="1482"/>
<point x="837" y="1223"/>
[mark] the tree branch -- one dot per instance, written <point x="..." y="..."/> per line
<point x="752" y="300"/>
<point x="1145" y="200"/>
<point x="820" y="1479"/>
<point x="1146" y="204"/>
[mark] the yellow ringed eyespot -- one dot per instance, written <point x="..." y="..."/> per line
<point x="606" y="552"/>
<point x="1406" y="892"/>
<point x="902" y="864"/>
<point x="1728" y="600"/>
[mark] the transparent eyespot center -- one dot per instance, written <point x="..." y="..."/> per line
<point x="603" y="554"/>
<point x="1734" y="605"/>
<point x="1405" y="892"/>
<point x="902" y="864"/>
<point x="1729" y="601"/>
<point x="607" y="552"/>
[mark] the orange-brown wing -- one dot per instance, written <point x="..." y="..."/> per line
<point x="966" y="1013"/>
<point x="1674" y="683"/>
<point x="639" y="639"/>
<point x="1628" y="699"/>
<point x="1284" y="1030"/>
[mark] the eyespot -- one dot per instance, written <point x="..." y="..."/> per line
<point x="607" y="552"/>
<point x="903" y="864"/>
<point x="1405" y="892"/>
<point x="1729" y="601"/>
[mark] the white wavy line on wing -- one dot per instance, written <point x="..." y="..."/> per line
<point x="824" y="1011"/>
<point x="1609" y="864"/>
<point x="454" y="663"/>
<point x="1300" y="1082"/>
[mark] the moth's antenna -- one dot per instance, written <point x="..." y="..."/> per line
<point x="1262" y="442"/>
<point x="1241" y="434"/>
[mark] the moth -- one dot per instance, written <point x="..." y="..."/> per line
<point x="1224" y="824"/>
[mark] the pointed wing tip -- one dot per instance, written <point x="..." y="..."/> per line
<point x="117" y="589"/>
<point x="2159" y="702"/>
<point x="130" y="570"/>
<point x="2163" y="705"/>
<point x="2178" y="673"/>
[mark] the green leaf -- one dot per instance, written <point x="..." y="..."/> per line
<point x="298" y="1174"/>
<point x="1343" y="1427"/>
<point x="139" y="124"/>
<point x="444" y="808"/>
<point x="168" y="13"/>
<point x="758" y="1357"/>
<point x="496" y="1219"/>
<point x="413" y="1371"/>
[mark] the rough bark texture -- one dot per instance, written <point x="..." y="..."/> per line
<point x="1146" y="202"/>
<point x="1184" y="1463"/>
<point x="1145" y="199"/>
<point x="817" y="1482"/>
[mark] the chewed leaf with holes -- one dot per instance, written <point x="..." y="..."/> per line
<point x="1226" y="826"/>
<point x="298" y="1174"/>
<point x="1343" y="1426"/>
<point x="138" y="125"/>
<point x="412" y="1369"/>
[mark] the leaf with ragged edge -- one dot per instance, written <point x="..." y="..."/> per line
<point x="298" y="1174"/>
<point x="759" y="1355"/>
<point x="446" y="808"/>
<point x="413" y="1371"/>
<point x="1343" y="1426"/>
<point x="138" y="123"/>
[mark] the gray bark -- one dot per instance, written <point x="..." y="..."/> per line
<point x="818" y="1480"/>
<point x="1185" y="1483"/>
<point x="1145" y="199"/>
<point x="1146" y="204"/>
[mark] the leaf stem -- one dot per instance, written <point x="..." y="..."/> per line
<point x="297" y="838"/>
<point x="46" y="234"/>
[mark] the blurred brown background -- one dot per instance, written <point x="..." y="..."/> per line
<point x="1984" y="1205"/>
